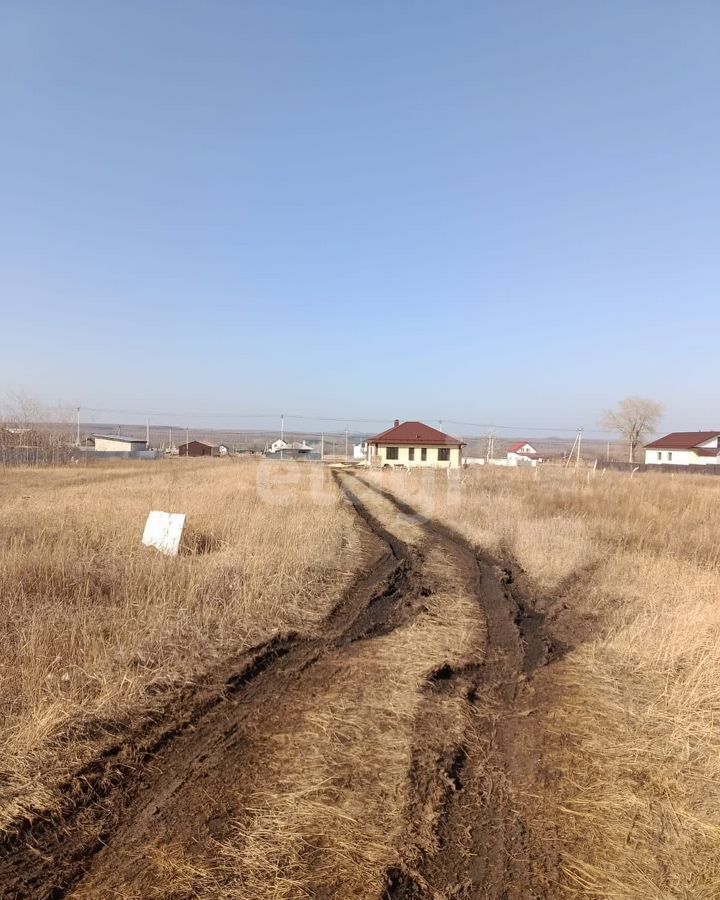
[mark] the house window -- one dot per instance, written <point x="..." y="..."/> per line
<point x="659" y="455"/>
<point x="391" y="453"/>
<point x="423" y="454"/>
<point x="669" y="455"/>
<point x="411" y="453"/>
<point x="443" y="454"/>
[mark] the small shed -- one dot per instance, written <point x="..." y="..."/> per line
<point x="118" y="443"/>
<point x="201" y="448"/>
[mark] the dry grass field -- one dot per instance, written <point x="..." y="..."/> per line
<point x="96" y="628"/>
<point x="608" y="750"/>
<point x="632" y="735"/>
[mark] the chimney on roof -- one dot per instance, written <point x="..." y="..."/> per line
<point x="397" y="422"/>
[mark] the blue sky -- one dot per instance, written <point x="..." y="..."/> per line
<point x="484" y="212"/>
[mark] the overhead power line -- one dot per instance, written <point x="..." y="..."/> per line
<point x="345" y="420"/>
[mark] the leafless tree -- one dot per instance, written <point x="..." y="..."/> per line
<point x="633" y="417"/>
<point x="31" y="432"/>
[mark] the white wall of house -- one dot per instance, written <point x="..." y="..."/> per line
<point x="712" y="444"/>
<point x="526" y="448"/>
<point x="379" y="456"/>
<point x="360" y="450"/>
<point x="680" y="457"/>
<point x="517" y="459"/>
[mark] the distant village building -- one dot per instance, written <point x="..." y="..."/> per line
<point x="523" y="453"/>
<point x="685" y="448"/>
<point x="413" y="444"/>
<point x="202" y="448"/>
<point x="278" y="445"/>
<point x="293" y="448"/>
<point x="360" y="450"/>
<point x="118" y="443"/>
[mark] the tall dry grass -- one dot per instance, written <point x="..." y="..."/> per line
<point x="326" y="812"/>
<point x="632" y="715"/>
<point x="94" y="626"/>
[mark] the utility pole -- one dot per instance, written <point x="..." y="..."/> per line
<point x="147" y="434"/>
<point x="490" y="455"/>
<point x="575" y="449"/>
<point x="282" y="426"/>
<point x="570" y="454"/>
<point x="170" y="438"/>
<point x="607" y="455"/>
<point x="577" y="461"/>
<point x="77" y="442"/>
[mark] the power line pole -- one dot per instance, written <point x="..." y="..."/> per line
<point x="570" y="454"/>
<point x="147" y="434"/>
<point x="490" y="455"/>
<point x="575" y="449"/>
<point x="579" y="443"/>
<point x="77" y="442"/>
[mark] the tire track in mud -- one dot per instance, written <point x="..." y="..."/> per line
<point x="180" y="779"/>
<point x="483" y="845"/>
<point x="47" y="857"/>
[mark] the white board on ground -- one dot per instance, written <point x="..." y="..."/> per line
<point x="164" y="531"/>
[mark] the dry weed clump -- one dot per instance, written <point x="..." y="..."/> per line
<point x="94" y="625"/>
<point x="633" y="719"/>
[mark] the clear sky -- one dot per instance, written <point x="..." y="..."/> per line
<point x="479" y="211"/>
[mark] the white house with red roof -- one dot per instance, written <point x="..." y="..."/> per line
<point x="413" y="444"/>
<point x="685" y="448"/>
<point x="523" y="453"/>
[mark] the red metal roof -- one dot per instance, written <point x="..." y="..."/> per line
<point x="416" y="434"/>
<point x="682" y="440"/>
<point x="517" y="445"/>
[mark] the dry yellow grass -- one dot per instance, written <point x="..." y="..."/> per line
<point x="333" y="812"/>
<point x="325" y="794"/>
<point x="94" y="625"/>
<point x="339" y="817"/>
<point x="634" y="730"/>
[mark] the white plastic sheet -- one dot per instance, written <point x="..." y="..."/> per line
<point x="164" y="531"/>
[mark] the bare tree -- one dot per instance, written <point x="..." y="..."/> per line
<point x="633" y="417"/>
<point x="31" y="432"/>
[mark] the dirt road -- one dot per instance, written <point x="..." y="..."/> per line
<point x="391" y="753"/>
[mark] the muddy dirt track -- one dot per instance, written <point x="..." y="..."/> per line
<point x="393" y="753"/>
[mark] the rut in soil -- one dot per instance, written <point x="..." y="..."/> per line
<point x="184" y="780"/>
